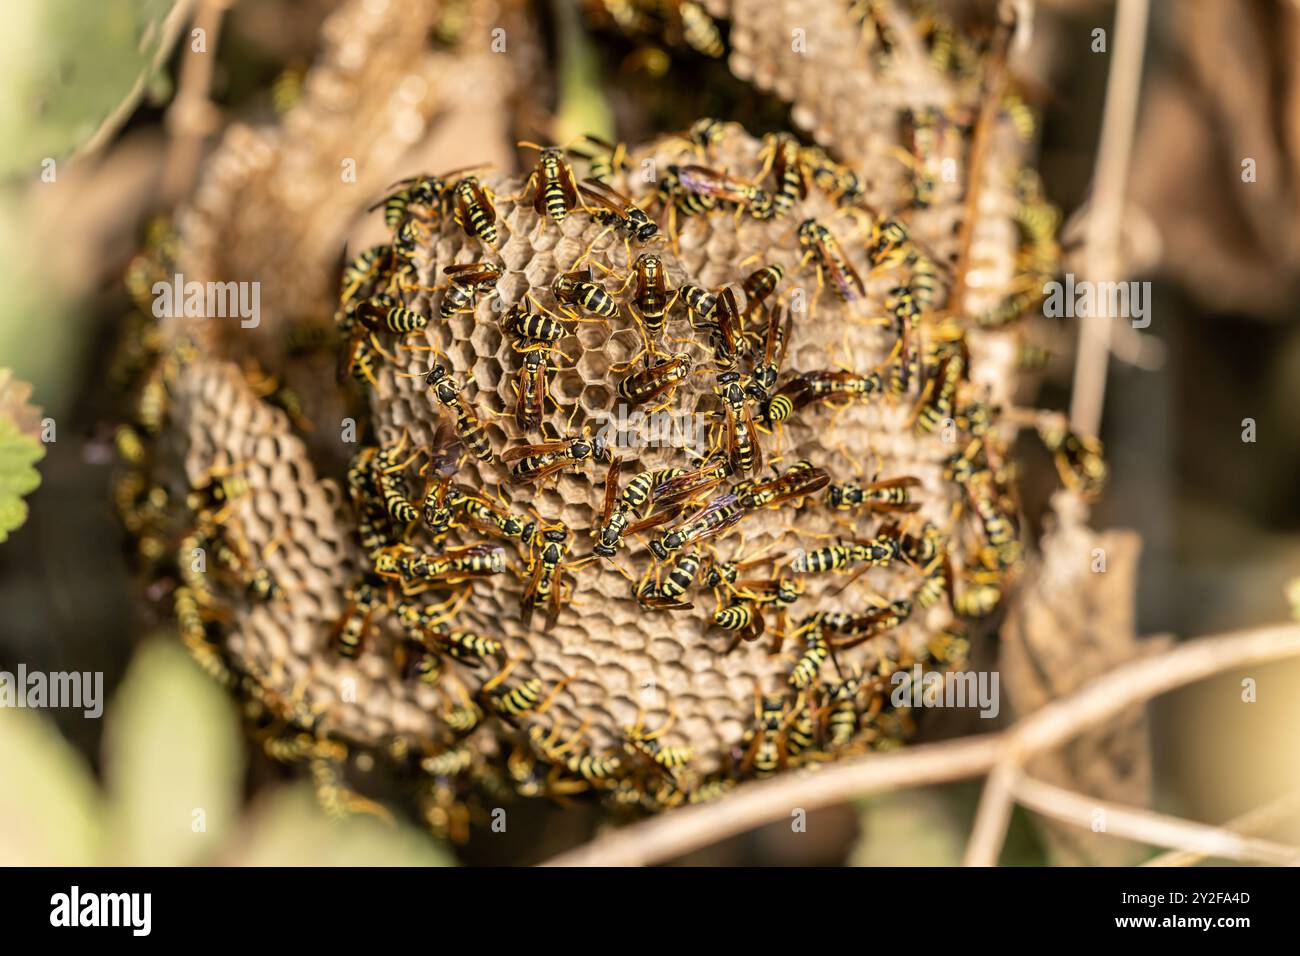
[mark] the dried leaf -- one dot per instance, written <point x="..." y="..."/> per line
<point x="1073" y="619"/>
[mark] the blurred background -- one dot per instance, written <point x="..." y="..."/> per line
<point x="94" y="88"/>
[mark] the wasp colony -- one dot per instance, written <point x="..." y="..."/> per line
<point x="514" y="586"/>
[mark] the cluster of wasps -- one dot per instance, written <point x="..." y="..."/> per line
<point x="680" y="513"/>
<point x="189" y="540"/>
<point x="409" y="502"/>
<point x="677" y="23"/>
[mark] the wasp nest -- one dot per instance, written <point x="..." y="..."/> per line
<point x="650" y="496"/>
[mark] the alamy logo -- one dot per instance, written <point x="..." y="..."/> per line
<point x="922" y="688"/>
<point x="57" y="689"/>
<point x="103" y="909"/>
<point x="1085" y="299"/>
<point x="636" y="429"/>
<point x="208" y="300"/>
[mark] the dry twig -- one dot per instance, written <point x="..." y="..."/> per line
<point x="1144" y="826"/>
<point x="1261" y="818"/>
<point x="1119" y="122"/>
<point x="192" y="117"/>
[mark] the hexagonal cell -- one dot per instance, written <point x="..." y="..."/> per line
<point x="487" y="373"/>
<point x="566" y="250"/>
<point x="592" y="366"/>
<point x="567" y="385"/>
<point x="538" y="273"/>
<point x="486" y="338"/>
<point x="569" y="350"/>
<point x="591" y="336"/>
<point x="618" y="349"/>
<point x="597" y="398"/>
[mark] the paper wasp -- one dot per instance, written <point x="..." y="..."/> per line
<point x="495" y="519"/>
<point x="999" y="528"/>
<point x="536" y="462"/>
<point x="696" y="189"/>
<point x="768" y="369"/>
<point x="697" y="28"/>
<point x="823" y="249"/>
<point x="1079" y="458"/>
<point x="531" y="327"/>
<point x="361" y="270"/>
<point x="881" y="549"/>
<point x="840" y="708"/>
<point x="609" y="161"/>
<point x="577" y="288"/>
<point x="429" y="192"/>
<point x="550" y="184"/>
<point x="616" y="520"/>
<point x="744" y="613"/>
<point x="385" y="471"/>
<point x="783" y="158"/>
<point x="742" y="617"/>
<point x="650" y="295"/>
<point x="427" y="622"/>
<point x="922" y="136"/>
<point x="783" y="731"/>
<point x="474" y="210"/>
<point x="815" y="651"/>
<point x="865" y="625"/>
<point x="940" y="393"/>
<point x="349" y="633"/>
<point x="411" y="566"/>
<point x="827" y="385"/>
<point x="839" y="182"/>
<point x="800" y="479"/>
<point x="531" y="389"/>
<point x="889" y="495"/>
<point x="668" y="592"/>
<point x="639" y="743"/>
<point x="758" y="286"/>
<point x="741" y="434"/>
<point x="904" y="311"/>
<point x="613" y="209"/>
<point x="546" y="583"/>
<point x="473" y="434"/>
<point x="690" y="484"/>
<point x="441" y="503"/>
<point x="647" y="384"/>
<point x="700" y="303"/>
<point x="468" y="281"/>
<point x="710" y="520"/>
<point x="705" y="133"/>
<point x="936" y="582"/>
<point x="510" y="702"/>
<point x="382" y="312"/>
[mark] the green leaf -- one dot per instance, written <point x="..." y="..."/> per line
<point x="19" y="454"/>
<point x="173" y="761"/>
<point x="919" y="827"/>
<point x="582" y="106"/>
<point x="288" y="828"/>
<point x="68" y="67"/>
<point x="49" y="803"/>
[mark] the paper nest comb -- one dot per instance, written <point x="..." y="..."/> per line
<point x="610" y="661"/>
